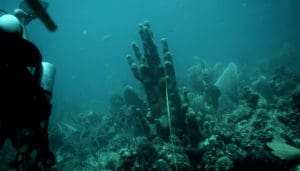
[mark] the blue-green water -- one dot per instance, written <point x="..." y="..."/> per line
<point x="93" y="38"/>
<point x="260" y="37"/>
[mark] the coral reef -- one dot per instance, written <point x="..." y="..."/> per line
<point x="201" y="79"/>
<point x="255" y="134"/>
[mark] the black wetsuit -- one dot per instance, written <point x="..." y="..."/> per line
<point x="25" y="107"/>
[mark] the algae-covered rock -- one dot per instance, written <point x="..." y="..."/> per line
<point x="263" y="87"/>
<point x="131" y="97"/>
<point x="161" y="165"/>
<point x="296" y="99"/>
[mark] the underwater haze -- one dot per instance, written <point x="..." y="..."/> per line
<point x="93" y="38"/>
<point x="237" y="68"/>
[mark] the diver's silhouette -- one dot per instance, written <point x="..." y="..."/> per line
<point x="25" y="92"/>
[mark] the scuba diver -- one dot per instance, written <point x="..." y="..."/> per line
<point x="26" y="91"/>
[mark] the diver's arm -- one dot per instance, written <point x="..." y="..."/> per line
<point x="40" y="11"/>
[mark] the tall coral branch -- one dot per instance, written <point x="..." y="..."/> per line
<point x="173" y="94"/>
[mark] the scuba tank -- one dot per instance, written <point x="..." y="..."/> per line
<point x="48" y="76"/>
<point x="10" y="26"/>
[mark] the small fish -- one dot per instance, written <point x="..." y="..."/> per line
<point x="106" y="37"/>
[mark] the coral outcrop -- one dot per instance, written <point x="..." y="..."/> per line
<point x="159" y="81"/>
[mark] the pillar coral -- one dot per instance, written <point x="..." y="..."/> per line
<point x="158" y="78"/>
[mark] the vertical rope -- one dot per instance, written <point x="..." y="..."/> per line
<point x="170" y="124"/>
